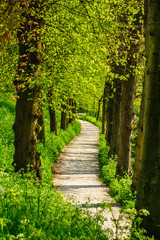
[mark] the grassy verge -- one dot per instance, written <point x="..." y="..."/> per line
<point x="32" y="211"/>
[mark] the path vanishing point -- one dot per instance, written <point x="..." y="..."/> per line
<point x="76" y="174"/>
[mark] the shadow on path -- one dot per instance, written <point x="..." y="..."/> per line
<point x="76" y="174"/>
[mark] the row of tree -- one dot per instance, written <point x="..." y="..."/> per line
<point x="118" y="114"/>
<point x="77" y="54"/>
<point x="45" y="45"/>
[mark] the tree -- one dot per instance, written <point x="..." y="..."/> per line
<point x="41" y="135"/>
<point x="64" y="115"/>
<point x="114" y="139"/>
<point x="109" y="114"/>
<point x="105" y="106"/>
<point x="128" y="93"/>
<point x="139" y="142"/>
<point x="99" y="108"/>
<point x="52" y="111"/>
<point x="148" y="194"/>
<point x="26" y="128"/>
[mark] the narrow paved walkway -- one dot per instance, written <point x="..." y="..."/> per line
<point x="76" y="173"/>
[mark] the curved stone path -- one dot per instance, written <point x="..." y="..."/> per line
<point x="76" y="174"/>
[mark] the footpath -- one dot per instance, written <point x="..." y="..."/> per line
<point x="76" y="174"/>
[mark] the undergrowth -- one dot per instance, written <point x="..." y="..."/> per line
<point x="29" y="210"/>
<point x="32" y="211"/>
<point x="120" y="188"/>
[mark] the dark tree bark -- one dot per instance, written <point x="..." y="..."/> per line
<point x="53" y="120"/>
<point x="104" y="116"/>
<point x="67" y="113"/>
<point x="74" y="111"/>
<point x="105" y="105"/>
<point x="99" y="108"/>
<point x="52" y="112"/>
<point x="26" y="132"/>
<point x="114" y="139"/>
<point x="139" y="143"/>
<point x="70" y="110"/>
<point x="148" y="194"/>
<point x="41" y="135"/>
<point x="109" y="113"/>
<point x="126" y="126"/>
<point x="64" y="116"/>
<point x="27" y="107"/>
<point x="128" y="96"/>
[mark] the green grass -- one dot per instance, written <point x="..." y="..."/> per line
<point x="6" y="134"/>
<point x="120" y="189"/>
<point x="90" y="119"/>
<point x="32" y="211"/>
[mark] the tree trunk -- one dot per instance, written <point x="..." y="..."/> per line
<point x="139" y="143"/>
<point x="74" y="111"/>
<point x="148" y="194"/>
<point x="104" y="113"/>
<point x="126" y="126"/>
<point x="67" y="113"/>
<point x="114" y="140"/>
<point x="109" y="114"/>
<point x="41" y="135"/>
<point x="64" y="121"/>
<point x="27" y="107"/>
<point x="52" y="112"/>
<point x="53" y="120"/>
<point x="99" y="108"/>
<point x="70" y="110"/>
<point x="26" y="131"/>
<point x="128" y="96"/>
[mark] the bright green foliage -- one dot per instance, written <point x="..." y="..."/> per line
<point x="6" y="134"/>
<point x="29" y="210"/>
<point x="137" y="232"/>
<point x="108" y="171"/>
<point x="80" y="42"/>
<point x="103" y="151"/>
<point x="119" y="188"/>
<point x="54" y="145"/>
<point x="121" y="191"/>
<point x="90" y="119"/>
